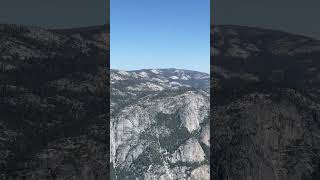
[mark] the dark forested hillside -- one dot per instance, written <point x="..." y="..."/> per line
<point x="53" y="103"/>
<point x="265" y="121"/>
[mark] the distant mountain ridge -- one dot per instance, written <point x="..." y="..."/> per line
<point x="160" y="77"/>
<point x="24" y="42"/>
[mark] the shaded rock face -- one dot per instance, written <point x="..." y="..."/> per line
<point x="265" y="121"/>
<point x="159" y="124"/>
<point x="53" y="109"/>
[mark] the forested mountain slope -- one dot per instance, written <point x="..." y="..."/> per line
<point x="265" y="121"/>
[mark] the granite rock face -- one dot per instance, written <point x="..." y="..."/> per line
<point x="159" y="124"/>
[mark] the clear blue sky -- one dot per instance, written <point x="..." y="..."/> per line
<point x="160" y="34"/>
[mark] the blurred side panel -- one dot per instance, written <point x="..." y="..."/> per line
<point x="265" y="84"/>
<point x="54" y="90"/>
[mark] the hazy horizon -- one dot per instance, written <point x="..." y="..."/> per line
<point x="158" y="69"/>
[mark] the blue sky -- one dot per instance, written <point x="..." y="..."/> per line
<point x="160" y="34"/>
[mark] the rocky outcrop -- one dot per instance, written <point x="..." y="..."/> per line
<point x="190" y="152"/>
